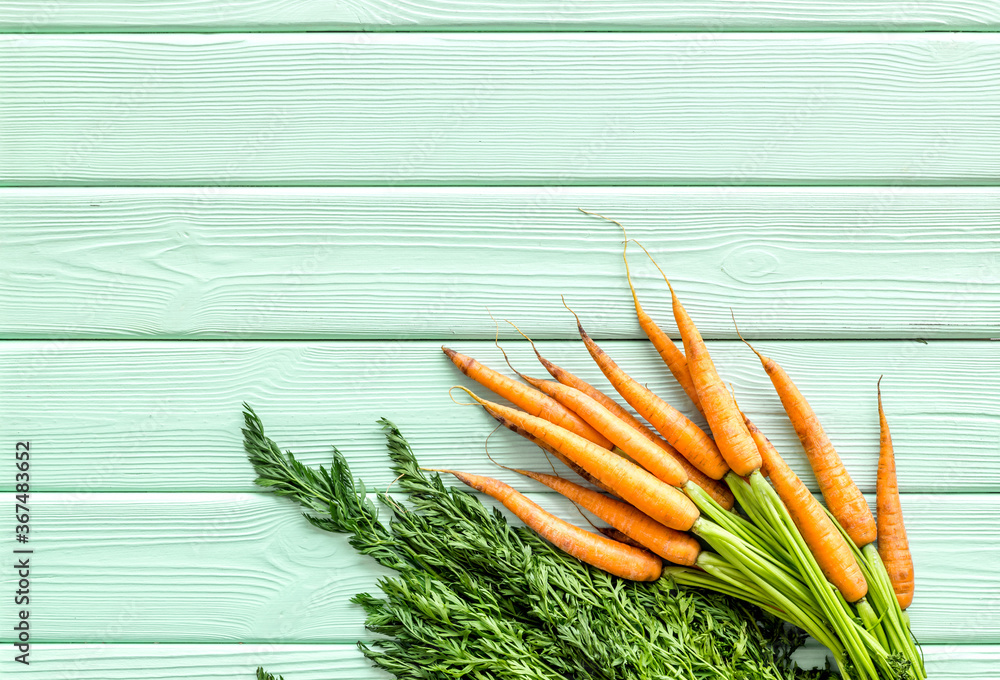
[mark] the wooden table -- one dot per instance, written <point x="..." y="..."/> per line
<point x="295" y="204"/>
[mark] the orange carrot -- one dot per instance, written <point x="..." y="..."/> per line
<point x="825" y="541"/>
<point x="616" y="535"/>
<point x="630" y="482"/>
<point x="675" y="546"/>
<point x="724" y="418"/>
<point x="598" y="551"/>
<point x="548" y="449"/>
<point x="893" y="547"/>
<point x="635" y="446"/>
<point x="681" y="433"/>
<point x="531" y="400"/>
<point x="716" y="489"/>
<point x="841" y="493"/>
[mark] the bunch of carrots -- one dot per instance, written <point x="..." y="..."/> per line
<point x="722" y="507"/>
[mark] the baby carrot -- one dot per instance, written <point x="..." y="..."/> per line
<point x="681" y="433"/>
<point x="627" y="480"/>
<point x="893" y="547"/>
<point x="724" y="418"/>
<point x="598" y="551"/>
<point x="841" y="493"/>
<point x="548" y="449"/>
<point x="531" y="400"/>
<point x="672" y="356"/>
<point x="825" y="541"/>
<point x="716" y="489"/>
<point x="638" y="448"/>
<point x="675" y="546"/>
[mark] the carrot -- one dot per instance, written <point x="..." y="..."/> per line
<point x="840" y="492"/>
<point x="716" y="489"/>
<point x="724" y="418"/>
<point x="825" y="541"/>
<point x="627" y="480"/>
<point x="672" y="356"/>
<point x="598" y="551"/>
<point x="893" y="547"/>
<point x="548" y="449"/>
<point x="635" y="446"/>
<point x="689" y="439"/>
<point x="616" y="535"/>
<point x="675" y="546"/>
<point x="531" y="400"/>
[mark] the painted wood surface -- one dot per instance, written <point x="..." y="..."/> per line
<point x="344" y="662"/>
<point x="514" y="109"/>
<point x="227" y="567"/>
<point x="166" y="416"/>
<point x="877" y="262"/>
<point x="216" y="578"/>
<point x="708" y="16"/>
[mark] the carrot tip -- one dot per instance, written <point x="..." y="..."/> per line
<point x="575" y="315"/>
<point x="467" y="391"/>
<point x="655" y="264"/>
<point x="740" y="336"/>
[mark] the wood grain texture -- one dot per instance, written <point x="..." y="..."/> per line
<point x="166" y="416"/>
<point x="384" y="263"/>
<point x="516" y="109"/>
<point x="137" y="661"/>
<point x="341" y="662"/>
<point x="247" y="567"/>
<point x="709" y="16"/>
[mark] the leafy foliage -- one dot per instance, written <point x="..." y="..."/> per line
<point x="475" y="597"/>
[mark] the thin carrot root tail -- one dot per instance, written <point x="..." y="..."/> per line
<point x="746" y="342"/>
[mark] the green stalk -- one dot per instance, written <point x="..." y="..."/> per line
<point x="730" y="521"/>
<point x="749" y="592"/>
<point x="747" y="553"/>
<point x="895" y="622"/>
<point x="742" y="491"/>
<point x="793" y="598"/>
<point x="872" y="621"/>
<point x="897" y="627"/>
<point x="838" y="616"/>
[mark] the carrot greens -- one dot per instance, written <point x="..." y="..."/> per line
<point x="475" y="597"/>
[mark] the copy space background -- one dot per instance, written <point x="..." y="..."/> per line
<point x="296" y="203"/>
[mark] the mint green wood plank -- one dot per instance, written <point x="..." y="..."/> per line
<point x="709" y="16"/>
<point x="425" y="262"/>
<point x="156" y="416"/>
<point x="246" y="567"/>
<point x="55" y="661"/>
<point x="474" y="109"/>
<point x="340" y="662"/>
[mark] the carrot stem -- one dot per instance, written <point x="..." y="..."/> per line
<point x="749" y="504"/>
<point x="730" y="521"/>
<point x="832" y="603"/>
<point x="737" y="552"/>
